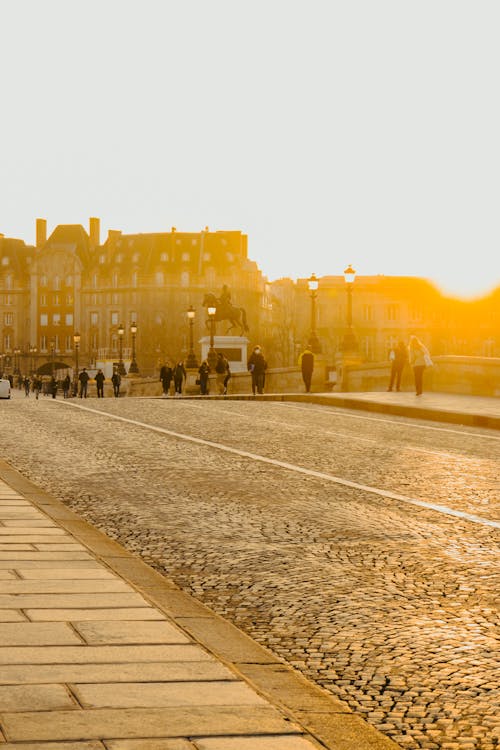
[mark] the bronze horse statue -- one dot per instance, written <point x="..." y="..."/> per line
<point x="226" y="311"/>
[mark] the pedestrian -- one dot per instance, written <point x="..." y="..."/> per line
<point x="204" y="372"/>
<point x="37" y="385"/>
<point x="179" y="376"/>
<point x="166" y="374"/>
<point x="257" y="366"/>
<point x="398" y="357"/>
<point x="99" y="381"/>
<point x="66" y="386"/>
<point x="419" y="358"/>
<point x="116" y="381"/>
<point x="223" y="372"/>
<point x="307" y="367"/>
<point x="26" y="384"/>
<point x="84" y="379"/>
<point x="53" y="387"/>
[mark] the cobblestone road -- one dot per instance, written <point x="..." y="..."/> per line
<point x="390" y="606"/>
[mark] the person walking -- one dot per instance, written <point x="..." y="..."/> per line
<point x="419" y="358"/>
<point x="99" y="381"/>
<point x="257" y="365"/>
<point x="37" y="385"/>
<point x="53" y="387"/>
<point x="66" y="384"/>
<point x="204" y="372"/>
<point x="398" y="357"/>
<point x="166" y="374"/>
<point x="84" y="379"/>
<point x="26" y="384"/>
<point x="116" y="381"/>
<point x="223" y="373"/>
<point x="307" y="367"/>
<point x="179" y="377"/>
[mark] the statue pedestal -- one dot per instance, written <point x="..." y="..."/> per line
<point x="234" y="348"/>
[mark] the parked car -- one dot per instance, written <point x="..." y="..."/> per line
<point x="4" y="388"/>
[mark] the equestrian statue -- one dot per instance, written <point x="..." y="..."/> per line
<point x="225" y="310"/>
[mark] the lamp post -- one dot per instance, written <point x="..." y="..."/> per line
<point x="121" y="366"/>
<point x="133" y="369"/>
<point x="212" y="354"/>
<point x="191" y="362"/>
<point x="350" y="344"/>
<point x="76" y="341"/>
<point x="17" y="358"/>
<point x="312" y="284"/>
<point x="52" y="357"/>
<point x="33" y="351"/>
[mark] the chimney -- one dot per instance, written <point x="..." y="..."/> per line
<point x="95" y="231"/>
<point x="41" y="232"/>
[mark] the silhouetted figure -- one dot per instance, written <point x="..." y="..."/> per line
<point x="419" y="357"/>
<point x="116" y="381"/>
<point x="257" y="365"/>
<point x="84" y="379"/>
<point x="179" y="376"/>
<point x="307" y="367"/>
<point x="99" y="381"/>
<point x="398" y="357"/>
<point x="204" y="372"/>
<point x="166" y="374"/>
<point x="66" y="384"/>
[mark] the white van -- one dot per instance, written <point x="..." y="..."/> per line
<point x="4" y="388"/>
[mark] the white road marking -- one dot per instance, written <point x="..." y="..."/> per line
<point x="294" y="467"/>
<point x="399" y="422"/>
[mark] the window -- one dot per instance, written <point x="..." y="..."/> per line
<point x="56" y="319"/>
<point x="119" y="258"/>
<point x="164" y="257"/>
<point x="206" y="256"/>
<point x="132" y="316"/>
<point x="114" y="299"/>
<point x="94" y="318"/>
<point x="185" y="257"/>
<point x="114" y="280"/>
<point x="57" y="300"/>
<point x="135" y="258"/>
<point x="69" y="299"/>
<point x="94" y="281"/>
<point x="43" y="281"/>
<point x="93" y="340"/>
<point x="114" y="343"/>
<point x="184" y="278"/>
<point x="56" y="343"/>
<point x="57" y="282"/>
<point x="69" y="280"/>
<point x="8" y="319"/>
<point x="392" y="312"/>
<point x="114" y="319"/>
<point x="8" y="282"/>
<point x="102" y="259"/>
<point x="134" y="278"/>
<point x="159" y="278"/>
<point x="367" y="313"/>
<point x="44" y="319"/>
<point x="69" y="343"/>
<point x="43" y="300"/>
<point x="5" y="261"/>
<point x="69" y="319"/>
<point x="6" y="342"/>
<point x="229" y="257"/>
<point x="43" y="343"/>
<point x="94" y="299"/>
<point x="194" y="242"/>
<point x="415" y="313"/>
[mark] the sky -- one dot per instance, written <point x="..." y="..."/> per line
<point x="330" y="132"/>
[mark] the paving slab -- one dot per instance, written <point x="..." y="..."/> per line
<point x="255" y="743"/>
<point x="68" y="601"/>
<point x="79" y="615"/>
<point x="69" y="586"/>
<point x="37" y="634"/>
<point x="26" y="530"/>
<point x="102" y="633"/>
<point x="101" y="654"/>
<point x="92" y="745"/>
<point x="59" y="574"/>
<point x="37" y="556"/>
<point x="11" y="615"/>
<point x="61" y="547"/>
<point x="48" y="564"/>
<point x="35" y="524"/>
<point x="205" y="671"/>
<point x="157" y="744"/>
<point x="158" y="695"/>
<point x="41" y="697"/>
<point x="129" y="723"/>
<point x="17" y="547"/>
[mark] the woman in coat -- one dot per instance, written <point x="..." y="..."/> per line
<point x="419" y="358"/>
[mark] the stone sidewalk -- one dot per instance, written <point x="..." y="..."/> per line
<point x="474" y="411"/>
<point x="97" y="650"/>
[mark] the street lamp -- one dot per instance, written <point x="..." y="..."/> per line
<point x="76" y="341"/>
<point x="191" y="362"/>
<point x="350" y="344"/>
<point x="52" y="356"/>
<point x="121" y="366"/>
<point x="313" y="283"/>
<point x="17" y="359"/>
<point x="133" y="369"/>
<point x="33" y="351"/>
<point x="212" y="354"/>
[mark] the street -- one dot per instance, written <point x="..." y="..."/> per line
<point x="361" y="549"/>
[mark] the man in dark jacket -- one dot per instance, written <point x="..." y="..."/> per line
<point x="84" y="379"/>
<point x="99" y="381"/>
<point x="307" y="367"/>
<point x="179" y="376"/>
<point x="257" y="365"/>
<point x="116" y="380"/>
<point x="166" y="378"/>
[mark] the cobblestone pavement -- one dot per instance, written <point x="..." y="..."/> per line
<point x="389" y="606"/>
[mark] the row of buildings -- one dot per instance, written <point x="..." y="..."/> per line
<point x="75" y="281"/>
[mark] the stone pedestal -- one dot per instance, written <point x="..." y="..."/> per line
<point x="234" y="348"/>
<point x="190" y="386"/>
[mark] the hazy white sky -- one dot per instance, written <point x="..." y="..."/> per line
<point x="331" y="132"/>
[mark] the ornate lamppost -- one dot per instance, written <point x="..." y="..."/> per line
<point x="212" y="354"/>
<point x="191" y="362"/>
<point x="52" y="357"/>
<point x="17" y="358"/>
<point x="350" y="343"/>
<point x="121" y="366"/>
<point x="76" y="341"/>
<point x="312" y="284"/>
<point x="133" y="369"/>
<point x="33" y="351"/>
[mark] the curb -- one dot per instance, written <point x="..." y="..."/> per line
<point x="327" y="719"/>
